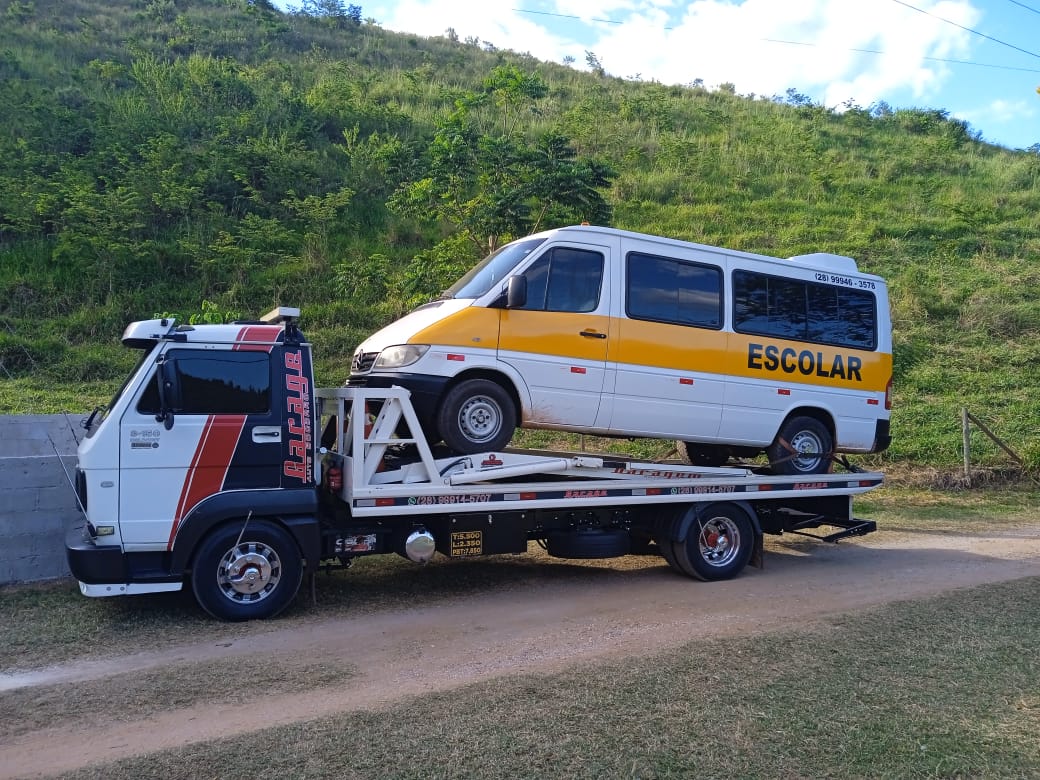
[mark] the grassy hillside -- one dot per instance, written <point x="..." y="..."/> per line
<point x="158" y="155"/>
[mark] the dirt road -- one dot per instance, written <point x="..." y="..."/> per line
<point x="534" y="630"/>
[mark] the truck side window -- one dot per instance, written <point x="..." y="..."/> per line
<point x="216" y="382"/>
<point x="565" y="279"/>
<point x="662" y="289"/>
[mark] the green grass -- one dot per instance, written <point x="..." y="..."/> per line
<point x="123" y="205"/>
<point x="25" y="710"/>
<point x="943" y="687"/>
<point x="937" y="687"/>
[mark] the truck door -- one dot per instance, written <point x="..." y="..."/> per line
<point x="226" y="435"/>
<point x="557" y="341"/>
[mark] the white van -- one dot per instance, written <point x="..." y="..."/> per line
<point x="608" y="332"/>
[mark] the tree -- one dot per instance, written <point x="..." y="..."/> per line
<point x="493" y="187"/>
<point x="594" y="63"/>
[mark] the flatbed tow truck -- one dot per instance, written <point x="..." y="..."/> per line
<point x="208" y="469"/>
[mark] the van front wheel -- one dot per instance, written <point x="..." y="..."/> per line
<point x="804" y="445"/>
<point x="477" y="415"/>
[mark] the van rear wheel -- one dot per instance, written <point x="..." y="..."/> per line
<point x="477" y="415"/>
<point x="804" y="445"/>
<point x="696" y="454"/>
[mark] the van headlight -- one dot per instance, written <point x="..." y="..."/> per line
<point x="400" y="355"/>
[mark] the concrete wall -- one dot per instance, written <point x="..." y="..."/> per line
<point x="37" y="503"/>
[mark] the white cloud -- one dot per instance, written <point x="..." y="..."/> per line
<point x="1000" y="113"/>
<point x="765" y="47"/>
<point x="721" y="41"/>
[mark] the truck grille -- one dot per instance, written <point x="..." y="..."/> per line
<point x="362" y="362"/>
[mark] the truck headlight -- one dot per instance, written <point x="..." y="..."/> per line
<point x="400" y="355"/>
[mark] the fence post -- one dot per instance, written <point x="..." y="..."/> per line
<point x="966" y="432"/>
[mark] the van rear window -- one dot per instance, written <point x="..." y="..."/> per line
<point x="803" y="311"/>
<point x="663" y="289"/>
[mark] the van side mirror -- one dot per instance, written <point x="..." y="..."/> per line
<point x="516" y="292"/>
<point x="167" y="392"/>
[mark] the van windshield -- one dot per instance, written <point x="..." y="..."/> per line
<point x="493" y="269"/>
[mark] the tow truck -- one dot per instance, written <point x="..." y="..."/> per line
<point x="219" y="466"/>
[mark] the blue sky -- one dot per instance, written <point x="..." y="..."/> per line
<point x="977" y="59"/>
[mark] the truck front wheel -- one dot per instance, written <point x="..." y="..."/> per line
<point x="477" y="415"/>
<point x="247" y="571"/>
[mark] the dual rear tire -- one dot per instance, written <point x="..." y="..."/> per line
<point x="717" y="546"/>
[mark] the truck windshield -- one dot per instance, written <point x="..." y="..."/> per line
<point x="100" y="413"/>
<point x="493" y="269"/>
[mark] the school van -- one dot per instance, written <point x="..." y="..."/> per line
<point x="608" y="332"/>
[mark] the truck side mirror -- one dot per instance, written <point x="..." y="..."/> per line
<point x="167" y="392"/>
<point x="516" y="292"/>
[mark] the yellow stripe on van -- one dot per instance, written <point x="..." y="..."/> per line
<point x="761" y="357"/>
<point x="662" y="345"/>
<point x="699" y="350"/>
<point x="474" y="326"/>
<point x="556" y="333"/>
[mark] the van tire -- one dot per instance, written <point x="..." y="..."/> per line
<point x="697" y="454"/>
<point x="804" y="445"/>
<point x="477" y="415"/>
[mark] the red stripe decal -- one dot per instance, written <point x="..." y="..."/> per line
<point x="216" y="447"/>
<point x="264" y="333"/>
<point x="210" y="464"/>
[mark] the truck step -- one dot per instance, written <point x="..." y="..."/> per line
<point x="849" y="527"/>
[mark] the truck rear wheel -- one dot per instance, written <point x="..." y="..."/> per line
<point x="477" y="415"/>
<point x="247" y="574"/>
<point x="718" y="544"/>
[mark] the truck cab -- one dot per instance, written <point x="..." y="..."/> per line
<point x="215" y="425"/>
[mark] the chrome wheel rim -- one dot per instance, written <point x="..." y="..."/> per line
<point x="249" y="572"/>
<point x="719" y="541"/>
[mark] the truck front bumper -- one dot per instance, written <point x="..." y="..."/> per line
<point x="91" y="563"/>
<point x="105" y="570"/>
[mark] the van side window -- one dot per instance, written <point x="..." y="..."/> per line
<point x="666" y="290"/>
<point x="216" y="382"/>
<point x="803" y="311"/>
<point x="565" y="279"/>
